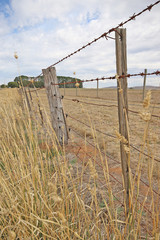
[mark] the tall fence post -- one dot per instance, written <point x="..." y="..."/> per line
<point x="121" y="65"/>
<point x="144" y="83"/>
<point x="55" y="103"/>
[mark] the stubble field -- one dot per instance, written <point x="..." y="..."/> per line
<point x="101" y="114"/>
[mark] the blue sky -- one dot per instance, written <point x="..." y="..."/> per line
<point x="44" y="31"/>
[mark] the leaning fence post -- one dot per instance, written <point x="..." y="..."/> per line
<point x="144" y="83"/>
<point x="27" y="99"/>
<point x="54" y="99"/>
<point x="30" y="95"/>
<point x="121" y="65"/>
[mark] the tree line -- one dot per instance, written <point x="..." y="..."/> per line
<point x="39" y="83"/>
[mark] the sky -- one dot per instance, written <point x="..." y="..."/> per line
<point x="44" y="31"/>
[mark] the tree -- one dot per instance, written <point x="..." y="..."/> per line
<point x="39" y="84"/>
<point x="3" y="86"/>
<point x="19" y="78"/>
<point x="62" y="79"/>
<point x="13" y="84"/>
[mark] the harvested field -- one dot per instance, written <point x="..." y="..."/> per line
<point x="103" y="116"/>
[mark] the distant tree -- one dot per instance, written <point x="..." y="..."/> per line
<point x="3" y="86"/>
<point x="39" y="84"/>
<point x="13" y="84"/>
<point x="19" y="78"/>
<point x="62" y="79"/>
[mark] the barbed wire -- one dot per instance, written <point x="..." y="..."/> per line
<point x="105" y="105"/>
<point x="117" y="179"/>
<point x="134" y="103"/>
<point x="104" y="153"/>
<point x="107" y="134"/>
<point x="110" y="157"/>
<point x="145" y="154"/>
<point x="114" y="137"/>
<point x="37" y="89"/>
<point x="131" y="102"/>
<point x="110" y="78"/>
<point x="100" y="165"/>
<point x="141" y="180"/>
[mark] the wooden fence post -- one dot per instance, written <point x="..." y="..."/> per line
<point x="144" y="83"/>
<point x="30" y="95"/>
<point x="54" y="99"/>
<point x="121" y="65"/>
<point x="39" y="107"/>
<point x="64" y="88"/>
<point x="76" y="91"/>
<point x="97" y="87"/>
<point x="27" y="99"/>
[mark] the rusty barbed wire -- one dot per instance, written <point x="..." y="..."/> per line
<point x="37" y="89"/>
<point x="111" y="77"/>
<point x="94" y="104"/>
<point x="145" y="154"/>
<point x="105" y="105"/>
<point x="100" y="165"/>
<point x="107" y="134"/>
<point x="112" y="136"/>
<point x="111" y="157"/>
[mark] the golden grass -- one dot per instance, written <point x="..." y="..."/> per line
<point x="47" y="193"/>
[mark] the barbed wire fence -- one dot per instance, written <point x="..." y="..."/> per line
<point x="59" y="119"/>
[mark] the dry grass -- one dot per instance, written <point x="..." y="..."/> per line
<point x="49" y="192"/>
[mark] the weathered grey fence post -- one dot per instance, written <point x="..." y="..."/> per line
<point x="64" y="88"/>
<point x="121" y="65"/>
<point x="54" y="99"/>
<point x="144" y="83"/>
<point x="27" y="99"/>
<point x="76" y="91"/>
<point x="39" y="107"/>
<point x="97" y="87"/>
<point x="30" y="95"/>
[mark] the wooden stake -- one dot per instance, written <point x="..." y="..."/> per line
<point x="64" y="88"/>
<point x="97" y="87"/>
<point x="144" y="83"/>
<point x="76" y="92"/>
<point x="30" y="95"/>
<point x="54" y="99"/>
<point x="121" y="65"/>
<point x="27" y="99"/>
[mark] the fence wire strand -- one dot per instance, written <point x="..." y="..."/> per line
<point x="110" y="78"/>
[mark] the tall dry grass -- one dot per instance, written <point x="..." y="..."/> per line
<point x="47" y="195"/>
